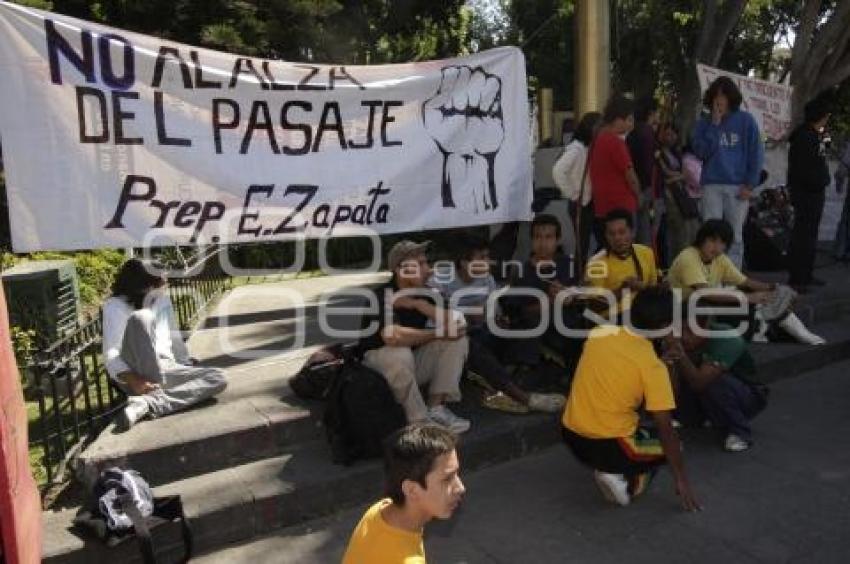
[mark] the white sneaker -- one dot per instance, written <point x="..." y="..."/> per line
<point x="442" y="416"/>
<point x="613" y="486"/>
<point x="137" y="408"/>
<point x="547" y="403"/>
<point x="734" y="443"/>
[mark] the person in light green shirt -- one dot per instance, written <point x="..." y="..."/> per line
<point x="705" y="266"/>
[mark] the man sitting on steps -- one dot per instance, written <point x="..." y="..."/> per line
<point x="144" y="352"/>
<point x="469" y="285"/>
<point x="412" y="342"/>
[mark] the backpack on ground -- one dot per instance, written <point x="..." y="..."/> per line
<point x="123" y="507"/>
<point x="314" y="379"/>
<point x="361" y="412"/>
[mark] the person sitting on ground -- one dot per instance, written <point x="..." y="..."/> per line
<point x="623" y="267"/>
<point x="715" y="378"/>
<point x="144" y="353"/>
<point x="422" y="477"/>
<point x="549" y="272"/>
<point x="413" y="341"/>
<point x="704" y="265"/>
<point x="618" y="372"/>
<point x="467" y="287"/>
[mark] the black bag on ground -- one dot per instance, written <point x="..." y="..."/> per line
<point x="361" y="412"/>
<point x="125" y="489"/>
<point x="314" y="379"/>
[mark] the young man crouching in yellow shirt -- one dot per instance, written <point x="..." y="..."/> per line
<point x="423" y="483"/>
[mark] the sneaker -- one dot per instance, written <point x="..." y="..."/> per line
<point x="505" y="403"/>
<point x="547" y="403"/>
<point x="137" y="408"/>
<point x="442" y="416"/>
<point x="734" y="443"/>
<point x="613" y="486"/>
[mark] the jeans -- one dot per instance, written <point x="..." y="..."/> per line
<point x="728" y="402"/>
<point x="720" y="201"/>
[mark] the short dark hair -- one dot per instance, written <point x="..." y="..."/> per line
<point x="618" y="107"/>
<point x="818" y="108"/>
<point x="409" y="454"/>
<point x="617" y="214"/>
<point x="645" y="106"/>
<point x="715" y="229"/>
<point x="468" y="246"/>
<point x="544" y="219"/>
<point x="726" y="86"/>
<point x="652" y="308"/>
<point x="135" y="279"/>
<point x="586" y="128"/>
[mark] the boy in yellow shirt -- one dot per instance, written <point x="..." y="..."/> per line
<point x="622" y="267"/>
<point x="619" y="372"/>
<point x="422" y="483"/>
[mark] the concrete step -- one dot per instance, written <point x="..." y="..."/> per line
<point x="259" y="416"/>
<point x="256" y="416"/>
<point x="243" y="502"/>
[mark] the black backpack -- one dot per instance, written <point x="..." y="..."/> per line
<point x="314" y="379"/>
<point x="361" y="412"/>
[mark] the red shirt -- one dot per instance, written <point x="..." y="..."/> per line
<point x="609" y="161"/>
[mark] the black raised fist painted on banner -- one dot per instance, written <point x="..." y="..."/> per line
<point x="464" y="118"/>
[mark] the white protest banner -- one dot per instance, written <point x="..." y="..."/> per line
<point x="116" y="139"/>
<point x="769" y="102"/>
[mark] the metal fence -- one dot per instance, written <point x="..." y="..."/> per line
<point x="75" y="398"/>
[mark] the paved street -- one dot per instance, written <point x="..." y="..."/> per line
<point x="787" y="500"/>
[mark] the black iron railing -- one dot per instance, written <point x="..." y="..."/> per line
<point x="75" y="397"/>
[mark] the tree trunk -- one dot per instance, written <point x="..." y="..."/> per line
<point x="717" y="22"/>
<point x="820" y="58"/>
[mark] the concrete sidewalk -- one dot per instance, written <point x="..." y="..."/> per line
<point x="786" y="500"/>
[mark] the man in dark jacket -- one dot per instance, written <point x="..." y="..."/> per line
<point x="808" y="177"/>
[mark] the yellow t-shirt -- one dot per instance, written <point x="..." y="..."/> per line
<point x="607" y="270"/>
<point x="617" y="372"/>
<point x="374" y="541"/>
<point x="688" y="270"/>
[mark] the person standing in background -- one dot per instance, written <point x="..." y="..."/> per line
<point x="682" y="210"/>
<point x="728" y="141"/>
<point x="612" y="173"/>
<point x="808" y="177"/>
<point x="572" y="179"/>
<point x="642" y="145"/>
<point x="841" y="247"/>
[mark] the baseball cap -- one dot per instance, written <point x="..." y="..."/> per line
<point x="404" y="249"/>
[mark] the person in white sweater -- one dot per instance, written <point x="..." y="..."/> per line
<point x="144" y="352"/>
<point x="571" y="177"/>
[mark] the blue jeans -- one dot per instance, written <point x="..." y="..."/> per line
<point x="730" y="404"/>
<point x="720" y="201"/>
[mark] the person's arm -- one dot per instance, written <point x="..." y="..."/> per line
<point x="705" y="140"/>
<point x="698" y="377"/>
<point x="634" y="183"/>
<point x="757" y="286"/>
<point x="673" y="452"/>
<point x="400" y="336"/>
<point x="114" y="324"/>
<point x="563" y="175"/>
